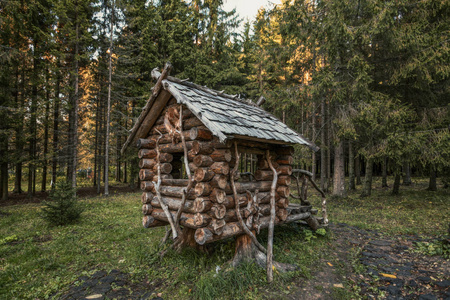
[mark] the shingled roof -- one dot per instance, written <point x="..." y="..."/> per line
<point x="226" y="116"/>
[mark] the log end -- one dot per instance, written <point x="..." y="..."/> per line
<point x="203" y="236"/>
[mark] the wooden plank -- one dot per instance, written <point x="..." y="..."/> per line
<point x="147" y="108"/>
<point x="152" y="116"/>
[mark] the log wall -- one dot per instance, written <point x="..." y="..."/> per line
<point x="210" y="205"/>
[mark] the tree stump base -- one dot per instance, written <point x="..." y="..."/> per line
<point x="187" y="239"/>
<point x="246" y="251"/>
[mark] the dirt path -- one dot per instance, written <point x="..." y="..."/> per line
<point x="373" y="266"/>
<point x="361" y="264"/>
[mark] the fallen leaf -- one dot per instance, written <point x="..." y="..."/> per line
<point x="95" y="296"/>
<point x="338" y="285"/>
<point x="388" y="275"/>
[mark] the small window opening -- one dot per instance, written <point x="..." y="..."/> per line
<point x="178" y="167"/>
<point x="247" y="166"/>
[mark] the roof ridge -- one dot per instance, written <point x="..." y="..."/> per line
<point x="156" y="74"/>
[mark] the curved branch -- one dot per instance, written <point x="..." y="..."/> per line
<point x="188" y="172"/>
<point x="158" y="189"/>
<point x="238" y="212"/>
<point x="272" y="219"/>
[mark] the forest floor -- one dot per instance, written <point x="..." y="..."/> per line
<point x="368" y="264"/>
<point x="379" y="247"/>
<point x="360" y="264"/>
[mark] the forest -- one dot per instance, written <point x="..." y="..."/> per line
<point x="367" y="81"/>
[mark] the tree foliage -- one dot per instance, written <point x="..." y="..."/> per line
<point x="371" y="73"/>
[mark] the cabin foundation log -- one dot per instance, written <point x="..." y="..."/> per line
<point x="174" y="204"/>
<point x="233" y="228"/>
<point x="187" y="219"/>
<point x="148" y="222"/>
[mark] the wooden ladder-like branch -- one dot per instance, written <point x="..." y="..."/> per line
<point x="238" y="211"/>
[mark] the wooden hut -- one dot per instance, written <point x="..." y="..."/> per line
<point x="187" y="128"/>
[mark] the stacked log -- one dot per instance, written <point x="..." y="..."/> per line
<point x="210" y="208"/>
<point x="211" y="174"/>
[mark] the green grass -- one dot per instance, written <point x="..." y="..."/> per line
<point x="37" y="261"/>
<point x="414" y="211"/>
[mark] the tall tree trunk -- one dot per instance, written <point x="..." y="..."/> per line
<point x="351" y="167"/>
<point x="339" y="171"/>
<point x="108" y="114"/>
<point x="33" y="126"/>
<point x="56" y="125"/>
<point x="19" y="134"/>
<point x="406" y="173"/>
<point x="46" y="118"/>
<point x="432" y="184"/>
<point x="118" y="162"/>
<point x="4" y="168"/>
<point x="367" y="187"/>
<point x="396" y="188"/>
<point x="100" y="140"/>
<point x="329" y="135"/>
<point x="384" y="173"/>
<point x="125" y="172"/>
<point x="358" y="169"/>
<point x="97" y="132"/>
<point x="323" y="159"/>
<point x="75" y="129"/>
<point x="313" y="137"/>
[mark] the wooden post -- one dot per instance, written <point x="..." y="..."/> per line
<point x="269" y="266"/>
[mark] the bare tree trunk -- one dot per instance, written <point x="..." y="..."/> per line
<point x="33" y="128"/>
<point x="76" y="91"/>
<point x="118" y="163"/>
<point x="313" y="137"/>
<point x="4" y="168"/>
<point x="329" y="135"/>
<point x="73" y="115"/>
<point x="47" y="113"/>
<point x="351" y="167"/>
<point x="367" y="187"/>
<point x="323" y="159"/>
<point x="358" y="170"/>
<point x="19" y="136"/>
<point x="125" y="172"/>
<point x="56" y="125"/>
<point x="96" y="154"/>
<point x="108" y="115"/>
<point x="406" y="173"/>
<point x="384" y="173"/>
<point x="339" y="171"/>
<point x="432" y="185"/>
<point x="396" y="187"/>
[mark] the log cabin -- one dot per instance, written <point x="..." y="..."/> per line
<point x="213" y="166"/>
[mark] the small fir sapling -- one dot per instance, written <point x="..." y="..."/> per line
<point x="63" y="207"/>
